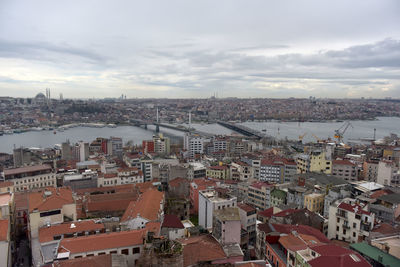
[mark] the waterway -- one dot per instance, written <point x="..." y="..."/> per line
<point x="292" y="130"/>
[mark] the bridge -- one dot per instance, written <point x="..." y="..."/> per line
<point x="179" y="128"/>
<point x="246" y="131"/>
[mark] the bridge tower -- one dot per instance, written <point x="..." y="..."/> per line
<point x="157" y="124"/>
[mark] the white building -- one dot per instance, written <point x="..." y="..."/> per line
<point x="194" y="144"/>
<point x="349" y="221"/>
<point x="388" y="173"/>
<point x="210" y="201"/>
<point x="31" y="177"/>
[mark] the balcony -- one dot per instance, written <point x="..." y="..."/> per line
<point x="342" y="215"/>
<point x="346" y="226"/>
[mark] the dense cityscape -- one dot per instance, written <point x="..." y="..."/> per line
<point x="206" y="200"/>
<point x="200" y="133"/>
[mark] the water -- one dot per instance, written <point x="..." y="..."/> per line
<point x="361" y="129"/>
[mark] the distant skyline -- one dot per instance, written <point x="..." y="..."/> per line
<point x="190" y="49"/>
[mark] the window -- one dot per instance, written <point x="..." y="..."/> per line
<point x="344" y="231"/>
<point x="354" y="225"/>
<point x="337" y="228"/>
<point x="125" y="251"/>
<point x="136" y="250"/>
<point x="113" y="252"/>
<point x="89" y="255"/>
<point x="354" y="234"/>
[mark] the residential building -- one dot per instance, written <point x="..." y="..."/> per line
<point x="226" y="226"/>
<point x="334" y="194"/>
<point x="218" y="172"/>
<point x="194" y="144"/>
<point x="209" y="201"/>
<point x="86" y="179"/>
<point x="277" y="170"/>
<point x="116" y="146"/>
<point x="317" y="161"/>
<point x="259" y="195"/>
<point x="278" y="197"/>
<point x="387" y="207"/>
<point x="196" y="170"/>
<point x="296" y="194"/>
<point x="172" y="227"/>
<point x="6" y="187"/>
<point x="195" y="186"/>
<point x="248" y="220"/>
<point x="5" y="243"/>
<point x="370" y="170"/>
<point x="345" y="169"/>
<point x="314" y="202"/>
<point x="31" y="177"/>
<point x="148" y="208"/>
<point x="241" y="171"/>
<point x="388" y="173"/>
<point x="349" y="221"/>
<point x="129" y="243"/>
<point x="50" y="206"/>
<point x="162" y="145"/>
<point x="255" y="162"/>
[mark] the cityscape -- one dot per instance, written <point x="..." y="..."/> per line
<point x="193" y="134"/>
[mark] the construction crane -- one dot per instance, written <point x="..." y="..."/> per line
<point x="340" y="132"/>
<point x="301" y="137"/>
<point x="316" y="137"/>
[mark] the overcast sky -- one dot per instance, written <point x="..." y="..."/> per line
<point x="182" y="49"/>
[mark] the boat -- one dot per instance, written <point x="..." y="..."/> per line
<point x="264" y="130"/>
<point x="54" y="132"/>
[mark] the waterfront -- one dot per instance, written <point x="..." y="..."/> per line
<point x="291" y="130"/>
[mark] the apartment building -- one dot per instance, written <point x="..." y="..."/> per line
<point x="259" y="195"/>
<point x="277" y="170"/>
<point x="226" y="226"/>
<point x="31" y="177"/>
<point x="129" y="243"/>
<point x="388" y="173"/>
<point x="241" y="171"/>
<point x="209" y="201"/>
<point x="314" y="202"/>
<point x="349" y="221"/>
<point x="248" y="220"/>
<point x="317" y="161"/>
<point x="195" y="186"/>
<point x="345" y="169"/>
<point x="370" y="170"/>
<point x="50" y="206"/>
<point x="218" y="172"/>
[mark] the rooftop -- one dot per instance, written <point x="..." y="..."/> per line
<point x="391" y="198"/>
<point x="4" y="230"/>
<point x="102" y="241"/>
<point x="201" y="248"/>
<point x="147" y="206"/>
<point x="50" y="199"/>
<point x="227" y="214"/>
<point x="46" y="234"/>
<point x="8" y="172"/>
<point x="172" y="221"/>
<point x="355" y="208"/>
<point x="374" y="253"/>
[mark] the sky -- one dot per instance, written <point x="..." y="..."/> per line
<point x="195" y="49"/>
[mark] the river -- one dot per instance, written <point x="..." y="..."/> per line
<point x="361" y="129"/>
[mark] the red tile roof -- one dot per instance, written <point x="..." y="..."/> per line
<point x="147" y="206"/>
<point x="94" y="261"/>
<point x="259" y="185"/>
<point x="3" y="230"/>
<point x="343" y="162"/>
<point x="336" y="256"/>
<point x="354" y="208"/>
<point x="267" y="213"/>
<point x="287" y="212"/>
<point x="177" y="182"/>
<point x="201" y="248"/>
<point x="110" y="202"/>
<point x="103" y="241"/>
<point x="218" y="168"/>
<point x="172" y="221"/>
<point x="154" y="227"/>
<point x="59" y="197"/>
<point x="245" y="207"/>
<point x="301" y="229"/>
<point x="46" y="234"/>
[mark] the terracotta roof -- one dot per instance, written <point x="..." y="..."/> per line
<point x="287" y="212"/>
<point x="59" y="197"/>
<point x="94" y="261"/>
<point x="3" y="230"/>
<point x="46" y="234"/>
<point x="204" y="182"/>
<point x="148" y="206"/>
<point x="21" y="201"/>
<point x="381" y="192"/>
<point x="177" y="182"/>
<point x="154" y="227"/>
<point x="219" y="168"/>
<point x="172" y="221"/>
<point x="386" y="228"/>
<point x="301" y="229"/>
<point x="354" y="208"/>
<point x="259" y="185"/>
<point x="201" y="248"/>
<point x="110" y="175"/>
<point x="127" y="169"/>
<point x="103" y="241"/>
<point x="35" y="168"/>
<point x="267" y="213"/>
<point x="335" y="256"/>
<point x="110" y="202"/>
<point x="245" y="207"/>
